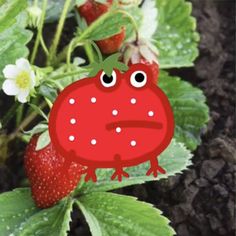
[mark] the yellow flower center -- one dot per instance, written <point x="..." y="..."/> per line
<point x="23" y="80"/>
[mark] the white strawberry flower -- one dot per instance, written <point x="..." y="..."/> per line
<point x="20" y="80"/>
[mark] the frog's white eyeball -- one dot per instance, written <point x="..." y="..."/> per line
<point x="108" y="81"/>
<point x="138" y="79"/>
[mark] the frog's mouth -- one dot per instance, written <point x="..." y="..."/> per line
<point x="134" y="124"/>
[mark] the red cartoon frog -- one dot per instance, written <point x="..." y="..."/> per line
<point x="112" y="121"/>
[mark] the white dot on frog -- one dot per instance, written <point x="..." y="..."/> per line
<point x="72" y="101"/>
<point x="72" y="138"/>
<point x="118" y="130"/>
<point x="150" y="113"/>
<point x="93" y="100"/>
<point x="114" y="112"/>
<point x="133" y="143"/>
<point x="93" y="141"/>
<point x="133" y="101"/>
<point x="72" y="121"/>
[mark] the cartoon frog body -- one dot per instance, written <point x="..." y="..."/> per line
<point x="112" y="121"/>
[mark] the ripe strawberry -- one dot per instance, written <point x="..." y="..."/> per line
<point x="50" y="178"/>
<point x="152" y="65"/>
<point x="92" y="10"/>
<point x="142" y="52"/>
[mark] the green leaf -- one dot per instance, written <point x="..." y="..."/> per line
<point x="43" y="140"/>
<point x="107" y="65"/>
<point x="113" y="214"/>
<point x="20" y="217"/>
<point x="174" y="160"/>
<point x="189" y="106"/>
<point x="107" y="25"/>
<point x="176" y="36"/>
<point x="39" y="111"/>
<point x="12" y="46"/>
<point x="46" y="91"/>
<point x="16" y="208"/>
<point x="80" y="2"/>
<point x="10" y="9"/>
<point x="39" y="128"/>
<point x="53" y="221"/>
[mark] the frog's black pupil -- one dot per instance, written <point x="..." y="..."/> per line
<point x="107" y="79"/>
<point x="139" y="77"/>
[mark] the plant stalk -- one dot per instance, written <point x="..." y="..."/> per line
<point x="61" y="76"/>
<point x="26" y="122"/>
<point x="89" y="52"/>
<point x="56" y="40"/>
<point x="39" y="33"/>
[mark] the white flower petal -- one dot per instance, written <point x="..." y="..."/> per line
<point x="149" y="23"/>
<point x="10" y="71"/>
<point x="78" y="61"/>
<point x="9" y="87"/>
<point x="147" y="53"/>
<point x="135" y="58"/>
<point x="33" y="80"/>
<point x="23" y="64"/>
<point x="22" y="96"/>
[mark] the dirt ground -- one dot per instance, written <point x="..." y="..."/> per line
<point x="200" y="202"/>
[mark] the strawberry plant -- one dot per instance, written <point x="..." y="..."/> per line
<point x="35" y="68"/>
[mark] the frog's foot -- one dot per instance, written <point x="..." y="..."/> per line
<point x="90" y="174"/>
<point x="119" y="173"/>
<point x="155" y="168"/>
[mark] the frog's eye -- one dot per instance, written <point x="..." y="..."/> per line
<point x="138" y="79"/>
<point x="108" y="81"/>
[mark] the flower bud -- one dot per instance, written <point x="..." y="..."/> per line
<point x="34" y="16"/>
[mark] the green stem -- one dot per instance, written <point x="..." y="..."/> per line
<point x="56" y="40"/>
<point x="100" y="59"/>
<point x="69" y="52"/>
<point x="132" y="21"/>
<point x="61" y="76"/>
<point x="39" y="33"/>
<point x="48" y="102"/>
<point x="89" y="51"/>
<point x="19" y="114"/>
<point x="44" y="47"/>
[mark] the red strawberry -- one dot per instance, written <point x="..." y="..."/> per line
<point x="152" y="65"/>
<point x="50" y="178"/>
<point x="92" y="10"/>
<point x="141" y="52"/>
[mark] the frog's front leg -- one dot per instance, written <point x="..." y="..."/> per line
<point x="119" y="172"/>
<point x="155" y="168"/>
<point x="90" y="174"/>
